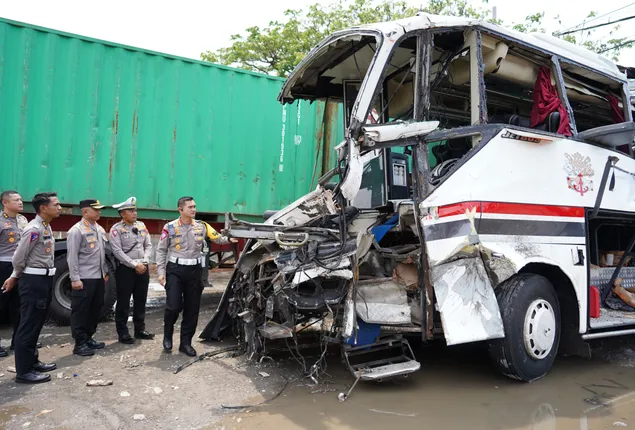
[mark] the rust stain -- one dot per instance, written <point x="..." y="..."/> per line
<point x="135" y="124"/>
<point x="174" y="134"/>
<point x="256" y="179"/>
<point x="330" y="123"/>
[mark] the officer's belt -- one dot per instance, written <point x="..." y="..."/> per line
<point x="138" y="261"/>
<point x="185" y="261"/>
<point x="5" y="259"/>
<point x="39" y="271"/>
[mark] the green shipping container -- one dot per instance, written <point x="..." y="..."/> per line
<point x="89" y="118"/>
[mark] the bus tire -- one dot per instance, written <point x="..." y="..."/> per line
<point x="531" y="317"/>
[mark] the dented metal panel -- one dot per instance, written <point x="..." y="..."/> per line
<point x="466" y="301"/>
<point x="89" y="118"/>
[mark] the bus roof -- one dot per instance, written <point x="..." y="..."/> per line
<point x="541" y="41"/>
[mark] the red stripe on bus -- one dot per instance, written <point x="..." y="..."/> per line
<point x="511" y="209"/>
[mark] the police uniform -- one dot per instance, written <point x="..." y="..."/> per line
<point x="179" y="259"/>
<point x="131" y="245"/>
<point x="33" y="266"/>
<point x="87" y="263"/>
<point x="10" y="232"/>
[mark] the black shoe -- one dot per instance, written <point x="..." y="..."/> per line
<point x="187" y="350"/>
<point x="167" y="344"/>
<point x="126" y="339"/>
<point x="44" y="367"/>
<point x="168" y="331"/>
<point x="92" y="344"/>
<point x="84" y="350"/>
<point x="32" y="378"/>
<point x="3" y="353"/>
<point x="144" y="335"/>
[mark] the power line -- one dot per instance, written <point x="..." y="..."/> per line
<point x="595" y="18"/>
<point x="596" y="26"/>
<point x="616" y="46"/>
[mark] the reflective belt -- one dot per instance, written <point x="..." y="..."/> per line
<point x="185" y="261"/>
<point x="38" y="271"/>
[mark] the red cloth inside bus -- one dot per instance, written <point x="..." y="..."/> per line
<point x="616" y="111"/>
<point x="618" y="116"/>
<point x="546" y="101"/>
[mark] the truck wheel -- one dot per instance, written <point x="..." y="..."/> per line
<point x="531" y="318"/>
<point x="60" y="309"/>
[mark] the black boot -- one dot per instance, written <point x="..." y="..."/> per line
<point x="93" y="344"/>
<point x="187" y="350"/>
<point x="83" y="350"/>
<point x="3" y="353"/>
<point x="44" y="367"/>
<point x="168" y="330"/>
<point x="32" y="378"/>
<point x="143" y="335"/>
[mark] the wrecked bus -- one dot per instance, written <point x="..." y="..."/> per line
<point x="485" y="192"/>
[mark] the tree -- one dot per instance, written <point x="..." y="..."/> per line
<point x="279" y="47"/>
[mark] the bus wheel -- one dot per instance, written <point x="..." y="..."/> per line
<point x="531" y="318"/>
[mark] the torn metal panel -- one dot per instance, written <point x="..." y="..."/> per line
<point x="382" y="301"/>
<point x="406" y="275"/>
<point x="364" y="243"/>
<point x="354" y="171"/>
<point x="349" y="320"/>
<point x="306" y="275"/>
<point x="407" y="219"/>
<point x="466" y="301"/>
<point x="270" y="330"/>
<point x="363" y="223"/>
<point x="307" y="208"/>
<point x="381" y="133"/>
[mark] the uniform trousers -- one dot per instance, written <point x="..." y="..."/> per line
<point x="130" y="283"/>
<point x="86" y="306"/>
<point x="183" y="289"/>
<point x="36" y="292"/>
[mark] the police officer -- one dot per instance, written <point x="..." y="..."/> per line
<point x="33" y="266"/>
<point x="11" y="226"/>
<point x="179" y="265"/>
<point x="131" y="245"/>
<point x="87" y="265"/>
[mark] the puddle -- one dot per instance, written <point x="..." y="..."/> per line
<point x="457" y="389"/>
<point x="7" y="413"/>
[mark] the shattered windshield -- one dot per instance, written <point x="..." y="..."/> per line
<point x="327" y="71"/>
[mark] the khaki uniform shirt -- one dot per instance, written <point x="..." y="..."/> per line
<point x="86" y="251"/>
<point x="180" y="240"/>
<point x="36" y="247"/>
<point x="10" y="233"/>
<point x="130" y="244"/>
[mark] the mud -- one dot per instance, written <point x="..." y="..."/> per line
<point x="457" y="389"/>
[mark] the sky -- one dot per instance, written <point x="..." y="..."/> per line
<point x="188" y="27"/>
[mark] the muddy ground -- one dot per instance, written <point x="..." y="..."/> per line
<point x="456" y="388"/>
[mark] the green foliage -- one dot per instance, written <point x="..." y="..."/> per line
<point x="279" y="47"/>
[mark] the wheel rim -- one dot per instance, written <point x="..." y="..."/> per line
<point x="539" y="330"/>
<point x="63" y="290"/>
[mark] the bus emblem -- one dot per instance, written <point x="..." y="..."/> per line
<point x="579" y="173"/>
